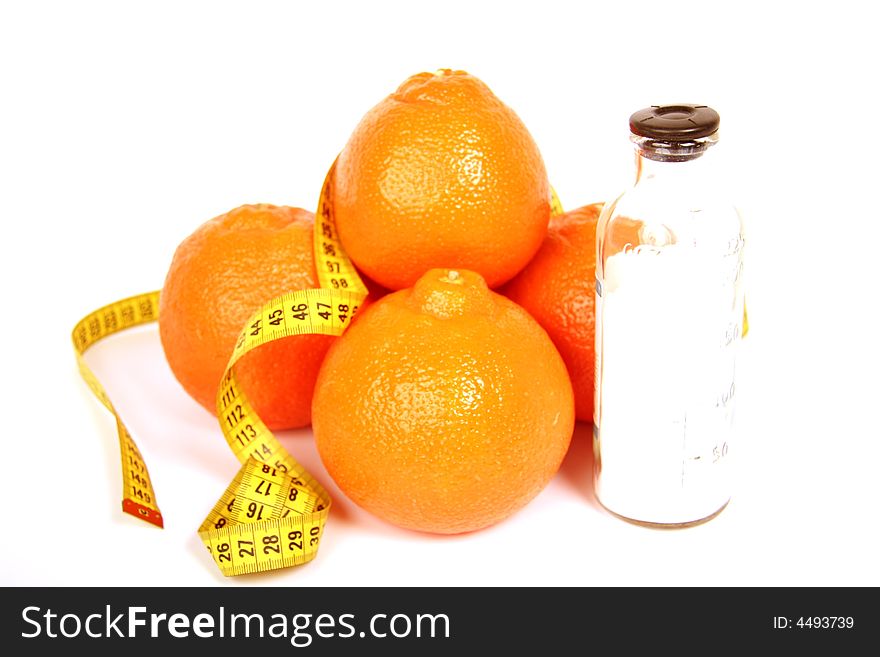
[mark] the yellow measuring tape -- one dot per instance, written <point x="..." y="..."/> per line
<point x="138" y="496"/>
<point x="272" y="515"/>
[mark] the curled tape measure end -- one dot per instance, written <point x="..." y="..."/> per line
<point x="139" y="499"/>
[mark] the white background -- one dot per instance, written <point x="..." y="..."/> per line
<point x="124" y="126"/>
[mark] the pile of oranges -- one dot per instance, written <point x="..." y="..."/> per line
<point x="450" y="401"/>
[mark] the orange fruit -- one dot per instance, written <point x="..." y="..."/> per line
<point x="219" y="276"/>
<point x="558" y="289"/>
<point x="441" y="174"/>
<point x="444" y="407"/>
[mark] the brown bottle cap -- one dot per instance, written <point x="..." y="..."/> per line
<point x="681" y="122"/>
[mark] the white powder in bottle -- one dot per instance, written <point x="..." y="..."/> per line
<point x="670" y="318"/>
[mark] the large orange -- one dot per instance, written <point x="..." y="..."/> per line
<point x="444" y="407"/>
<point x="558" y="289"/>
<point x="441" y="174"/>
<point x="219" y="276"/>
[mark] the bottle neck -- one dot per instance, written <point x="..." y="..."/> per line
<point x="673" y="161"/>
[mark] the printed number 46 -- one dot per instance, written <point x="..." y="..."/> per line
<point x="300" y="311"/>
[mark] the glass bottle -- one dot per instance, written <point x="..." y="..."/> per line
<point x="669" y="318"/>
